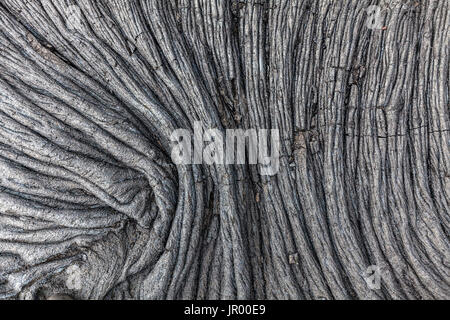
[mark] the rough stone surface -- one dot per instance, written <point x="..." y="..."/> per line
<point x="91" y="205"/>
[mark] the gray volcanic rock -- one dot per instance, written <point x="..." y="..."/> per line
<point x="92" y="205"/>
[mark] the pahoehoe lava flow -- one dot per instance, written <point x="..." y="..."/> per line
<point x="93" y="206"/>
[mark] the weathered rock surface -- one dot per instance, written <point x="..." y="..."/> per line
<point x="92" y="206"/>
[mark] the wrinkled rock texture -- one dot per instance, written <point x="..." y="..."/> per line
<point x="92" y="205"/>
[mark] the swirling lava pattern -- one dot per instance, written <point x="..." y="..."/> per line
<point x="88" y="188"/>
